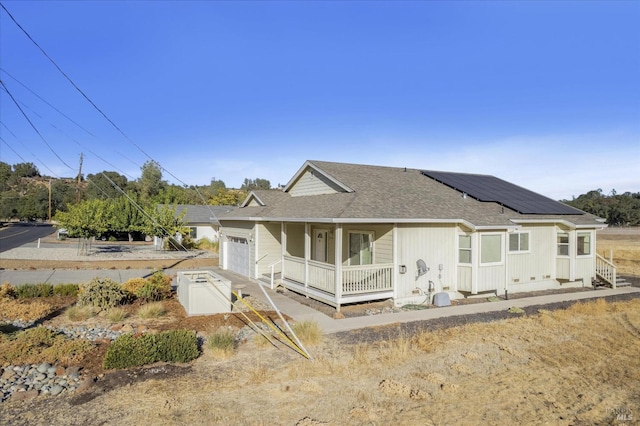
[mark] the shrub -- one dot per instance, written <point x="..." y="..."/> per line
<point x="79" y="313"/>
<point x="169" y="346"/>
<point x="129" y="351"/>
<point x="157" y="287"/>
<point x="103" y="293"/>
<point x="176" y="346"/>
<point x="133" y="285"/>
<point x="40" y="344"/>
<point x="308" y="332"/>
<point x="8" y="291"/>
<point x="66" y="289"/>
<point x="151" y="310"/>
<point x="221" y="343"/>
<point x="207" y="244"/>
<point x="116" y="314"/>
<point x="27" y="291"/>
<point x="30" y="311"/>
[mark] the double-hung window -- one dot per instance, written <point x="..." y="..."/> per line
<point x="464" y="249"/>
<point x="563" y="244"/>
<point x="360" y="248"/>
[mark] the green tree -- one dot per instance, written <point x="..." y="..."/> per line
<point x="5" y="174"/>
<point x="127" y="216"/>
<point x="101" y="185"/>
<point x="86" y="219"/>
<point x="227" y="197"/>
<point x="251" y="184"/>
<point x="25" y="170"/>
<point x="150" y="183"/>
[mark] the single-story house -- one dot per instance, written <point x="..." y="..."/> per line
<point x="345" y="233"/>
<point x="203" y="219"/>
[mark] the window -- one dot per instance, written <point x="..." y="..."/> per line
<point x="464" y="249"/>
<point x="584" y="243"/>
<point x="193" y="232"/>
<point x="519" y="241"/>
<point x="491" y="248"/>
<point x="563" y="244"/>
<point x="360" y="248"/>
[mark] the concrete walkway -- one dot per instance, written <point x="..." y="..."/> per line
<point x="301" y="312"/>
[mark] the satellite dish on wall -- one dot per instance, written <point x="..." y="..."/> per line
<point x="422" y="267"/>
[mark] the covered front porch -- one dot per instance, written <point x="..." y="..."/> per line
<point x="337" y="264"/>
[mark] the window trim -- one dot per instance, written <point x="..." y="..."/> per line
<point x="501" y="251"/>
<point x="518" y="250"/>
<point x="469" y="249"/>
<point x="567" y="244"/>
<point x="590" y="234"/>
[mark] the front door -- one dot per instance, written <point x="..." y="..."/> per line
<point x="320" y="245"/>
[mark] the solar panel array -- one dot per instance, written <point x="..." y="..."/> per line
<point x="491" y="189"/>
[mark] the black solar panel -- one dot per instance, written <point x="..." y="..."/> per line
<point x="492" y="189"/>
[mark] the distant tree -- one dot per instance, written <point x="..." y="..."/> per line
<point x="5" y="174"/>
<point x="101" y="185"/>
<point x="227" y="197"/>
<point x="251" y="184"/>
<point x="150" y="183"/>
<point x="25" y="170"/>
<point x="617" y="209"/>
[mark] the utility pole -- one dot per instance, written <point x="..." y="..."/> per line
<point x="49" y="200"/>
<point x="78" y="181"/>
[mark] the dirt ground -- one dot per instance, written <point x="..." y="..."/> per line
<point x="566" y="364"/>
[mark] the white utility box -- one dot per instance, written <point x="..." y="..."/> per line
<point x="204" y="293"/>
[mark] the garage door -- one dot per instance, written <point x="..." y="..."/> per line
<point x="238" y="256"/>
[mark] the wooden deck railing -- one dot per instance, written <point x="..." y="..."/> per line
<point x="606" y="270"/>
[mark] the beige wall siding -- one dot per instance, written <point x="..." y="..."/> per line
<point x="253" y="203"/>
<point x="465" y="274"/>
<point x="491" y="278"/>
<point x="382" y="245"/>
<point x="313" y="183"/>
<point x="536" y="264"/>
<point x="295" y="239"/>
<point x="269" y="248"/>
<point x="436" y="245"/>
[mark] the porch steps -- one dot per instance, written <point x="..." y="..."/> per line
<point x="265" y="279"/>
<point x="620" y="282"/>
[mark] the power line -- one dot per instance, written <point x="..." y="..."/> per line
<point x="98" y="109"/>
<point x="32" y="125"/>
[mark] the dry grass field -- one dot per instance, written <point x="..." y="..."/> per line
<point x="624" y="243"/>
<point x="575" y="366"/>
<point x="567" y="367"/>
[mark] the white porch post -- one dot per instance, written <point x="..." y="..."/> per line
<point x="338" y="263"/>
<point x="396" y="268"/>
<point x="283" y="247"/>
<point x="573" y="243"/>
<point x="307" y="253"/>
<point x="475" y="262"/>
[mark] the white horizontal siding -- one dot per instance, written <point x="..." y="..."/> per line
<point x="269" y="248"/>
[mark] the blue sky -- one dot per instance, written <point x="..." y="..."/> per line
<point x="543" y="94"/>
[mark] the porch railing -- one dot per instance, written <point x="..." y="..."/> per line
<point x="355" y="279"/>
<point x="367" y="278"/>
<point x="606" y="270"/>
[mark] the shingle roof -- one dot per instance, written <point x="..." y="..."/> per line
<point x="389" y="194"/>
<point x="202" y="214"/>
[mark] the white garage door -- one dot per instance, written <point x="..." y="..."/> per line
<point x="238" y="256"/>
